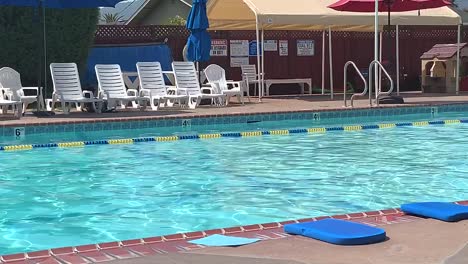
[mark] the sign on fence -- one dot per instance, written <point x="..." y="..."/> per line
<point x="219" y="48"/>
<point x="305" y="47"/>
<point x="239" y="52"/>
<point x="283" y="48"/>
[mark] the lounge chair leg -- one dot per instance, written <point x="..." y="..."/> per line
<point x="111" y="104"/>
<point x="65" y="108"/>
<point x="194" y="102"/>
<point x="155" y="106"/>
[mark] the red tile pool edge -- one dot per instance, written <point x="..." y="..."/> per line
<point x="179" y="242"/>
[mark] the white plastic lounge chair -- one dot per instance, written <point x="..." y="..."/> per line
<point x="250" y="76"/>
<point x="112" y="87"/>
<point x="153" y="86"/>
<point x="217" y="79"/>
<point x="10" y="83"/>
<point x="187" y="82"/>
<point x="67" y="88"/>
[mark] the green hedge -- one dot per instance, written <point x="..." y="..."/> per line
<point x="70" y="33"/>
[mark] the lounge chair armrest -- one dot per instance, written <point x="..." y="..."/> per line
<point x="144" y="92"/>
<point x="234" y="83"/>
<point x="32" y="88"/>
<point x="89" y="93"/>
<point x="210" y="90"/>
<point x="183" y="91"/>
<point x="132" y="92"/>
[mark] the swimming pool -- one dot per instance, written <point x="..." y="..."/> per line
<point x="54" y="197"/>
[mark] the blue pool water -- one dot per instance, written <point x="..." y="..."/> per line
<point x="61" y="197"/>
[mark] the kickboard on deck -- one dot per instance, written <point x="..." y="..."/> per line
<point x="338" y="232"/>
<point x="448" y="212"/>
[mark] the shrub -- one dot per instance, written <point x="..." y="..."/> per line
<point x="70" y="33"/>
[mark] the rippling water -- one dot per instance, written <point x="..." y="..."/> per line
<point x="60" y="197"/>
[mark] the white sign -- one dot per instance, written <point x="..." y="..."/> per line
<point x="270" y="45"/>
<point x="239" y="52"/>
<point x="239" y="48"/>
<point x="238" y="61"/>
<point x="305" y="47"/>
<point x="283" y="48"/>
<point x="19" y="132"/>
<point x="218" y="48"/>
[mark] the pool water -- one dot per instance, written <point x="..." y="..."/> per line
<point x="61" y="197"/>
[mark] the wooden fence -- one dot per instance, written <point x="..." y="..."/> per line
<point x="355" y="46"/>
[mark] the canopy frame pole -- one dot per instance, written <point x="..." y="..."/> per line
<point x="44" y="32"/>
<point x="397" y="47"/>
<point x="330" y="54"/>
<point x="380" y="60"/>
<point x="376" y="40"/>
<point x="323" y="60"/>
<point x="457" y="80"/>
<point x="262" y="48"/>
<point x="259" y="69"/>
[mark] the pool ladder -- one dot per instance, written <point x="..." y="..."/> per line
<point x="378" y="89"/>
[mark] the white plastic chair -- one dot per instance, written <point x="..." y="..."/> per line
<point x="153" y="86"/>
<point x="15" y="105"/>
<point x="10" y="83"/>
<point x="112" y="87"/>
<point x="67" y="88"/>
<point x="250" y="76"/>
<point x="187" y="82"/>
<point x="217" y="79"/>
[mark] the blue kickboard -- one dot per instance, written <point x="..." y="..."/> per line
<point x="223" y="241"/>
<point x="338" y="232"/>
<point x="448" y="212"/>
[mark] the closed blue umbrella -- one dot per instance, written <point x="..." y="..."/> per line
<point x="199" y="41"/>
<point x="60" y="4"/>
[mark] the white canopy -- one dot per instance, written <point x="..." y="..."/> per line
<point x="313" y="15"/>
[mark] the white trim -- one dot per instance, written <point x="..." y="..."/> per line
<point x="187" y="4"/>
<point x="137" y="11"/>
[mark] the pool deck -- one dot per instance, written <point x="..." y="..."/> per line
<point x="268" y="105"/>
<point x="410" y="240"/>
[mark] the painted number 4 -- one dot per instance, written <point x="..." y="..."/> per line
<point x="186" y="123"/>
<point x="316" y="116"/>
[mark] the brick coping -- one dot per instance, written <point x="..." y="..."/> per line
<point x="134" y="248"/>
<point x="194" y="116"/>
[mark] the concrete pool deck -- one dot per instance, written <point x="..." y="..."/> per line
<point x="424" y="241"/>
<point x="269" y="105"/>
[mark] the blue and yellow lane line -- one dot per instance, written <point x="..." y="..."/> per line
<point x="280" y="132"/>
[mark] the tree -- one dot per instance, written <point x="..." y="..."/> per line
<point x="110" y="18"/>
<point x="177" y="21"/>
<point x="70" y="34"/>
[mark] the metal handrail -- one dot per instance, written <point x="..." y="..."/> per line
<point x="346" y="82"/>
<point x="378" y="91"/>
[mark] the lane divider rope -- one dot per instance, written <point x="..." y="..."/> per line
<point x="313" y="130"/>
